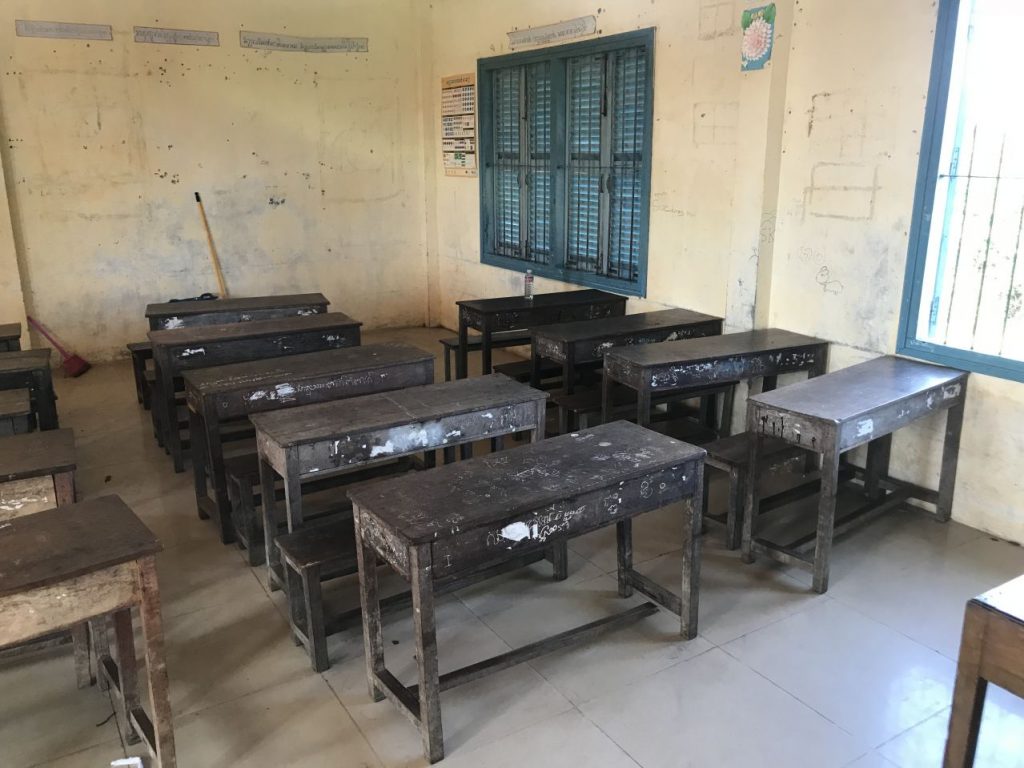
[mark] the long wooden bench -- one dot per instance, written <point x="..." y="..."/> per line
<point x="500" y="340"/>
<point x="15" y="411"/>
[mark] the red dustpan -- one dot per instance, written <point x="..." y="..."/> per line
<point x="72" y="364"/>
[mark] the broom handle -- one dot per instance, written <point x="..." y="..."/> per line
<point x="49" y="338"/>
<point x="213" y="249"/>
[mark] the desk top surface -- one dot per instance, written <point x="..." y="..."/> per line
<point x="413" y="405"/>
<point x="205" y="334"/>
<point x="281" y="370"/>
<point x="684" y="351"/>
<point x="36" y="453"/>
<point x="54" y="545"/>
<point x="29" y="360"/>
<point x="854" y="392"/>
<point x="15" y="402"/>
<point x="240" y="304"/>
<point x="541" y="301"/>
<point x="10" y="331"/>
<point x="1007" y="599"/>
<point x="585" y="330"/>
<point x="448" y="500"/>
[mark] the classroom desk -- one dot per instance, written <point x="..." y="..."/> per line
<point x="992" y="650"/>
<point x="518" y="312"/>
<point x="37" y="471"/>
<point x="10" y="337"/>
<point x="228" y="392"/>
<point x="182" y="349"/>
<point x="314" y="441"/>
<point x="862" y="404"/>
<point x="688" y="363"/>
<point x="31" y="370"/>
<point x="92" y="562"/>
<point x="461" y="517"/>
<point x="586" y="341"/>
<point x="187" y="314"/>
<point x="15" y="411"/>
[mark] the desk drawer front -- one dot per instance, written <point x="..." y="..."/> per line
<point x="789" y="427"/>
<point x="186" y="357"/>
<point x="566" y="519"/>
<point x="387" y="546"/>
<point x="169" y="322"/>
<point x="595" y="349"/>
<point x="736" y="368"/>
<point x="887" y="419"/>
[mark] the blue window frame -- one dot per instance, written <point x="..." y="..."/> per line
<point x="565" y="173"/>
<point x="963" y="299"/>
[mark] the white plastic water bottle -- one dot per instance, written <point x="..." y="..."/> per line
<point x="528" y="284"/>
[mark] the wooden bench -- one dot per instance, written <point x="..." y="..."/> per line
<point x="15" y="412"/>
<point x="92" y="563"/>
<point x="37" y="472"/>
<point x="549" y="373"/>
<point x="31" y="370"/>
<point x="991" y="651"/>
<point x="440" y="524"/>
<point x="184" y="349"/>
<point x="10" y="337"/>
<point x="730" y="455"/>
<point x="474" y="343"/>
<point x="141" y="353"/>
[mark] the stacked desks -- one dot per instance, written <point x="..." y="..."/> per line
<point x="182" y="349"/>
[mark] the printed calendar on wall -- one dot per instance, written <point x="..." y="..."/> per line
<point x="458" y="124"/>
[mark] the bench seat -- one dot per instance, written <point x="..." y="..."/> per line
<point x="16" y="415"/>
<point x="499" y="340"/>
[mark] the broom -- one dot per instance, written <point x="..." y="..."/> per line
<point x="72" y="364"/>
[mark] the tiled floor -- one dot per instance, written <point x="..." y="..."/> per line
<point x="779" y="676"/>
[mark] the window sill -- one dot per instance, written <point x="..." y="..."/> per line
<point x="988" y="365"/>
<point x="574" y="277"/>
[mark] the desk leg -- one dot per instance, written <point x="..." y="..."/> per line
<point x="689" y="596"/>
<point x="46" y="402"/>
<point x="485" y="350"/>
<point x="752" y="500"/>
<point x="199" y="452"/>
<point x="127" y="673"/>
<point x="156" y="665"/>
<point x="64" y="488"/>
<point x="624" y="550"/>
<point x="950" y="454"/>
<point x="465" y="451"/>
<point x="293" y="496"/>
<point x="369" y="599"/>
<point x="268" y="503"/>
<point x="80" y="648"/>
<point x="534" y="368"/>
<point x="169" y="417"/>
<point x="426" y="653"/>
<point x="728" y="403"/>
<point x="826" y="517"/>
<point x="218" y="476"/>
<point x="877" y="468"/>
<point x="643" y="407"/>
<point x="606" y="398"/>
<point x="462" y="356"/>
<point x="569" y="371"/>
<point x="969" y="692"/>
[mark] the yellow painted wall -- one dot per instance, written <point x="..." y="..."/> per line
<point x="310" y="165"/>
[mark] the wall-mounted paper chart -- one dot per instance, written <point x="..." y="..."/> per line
<point x="458" y="125"/>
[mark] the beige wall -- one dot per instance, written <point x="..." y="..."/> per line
<point x="310" y="165"/>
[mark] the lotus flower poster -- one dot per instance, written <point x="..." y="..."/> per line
<point x="758" y="25"/>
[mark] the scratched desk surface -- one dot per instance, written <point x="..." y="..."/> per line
<point x="58" y="544"/>
<point x="239" y="304"/>
<point x="29" y="360"/>
<point x="480" y="492"/>
<point x="850" y="393"/>
<point x="36" y="453"/>
<point x="275" y="370"/>
<point x="205" y="334"/>
<point x="711" y="347"/>
<point x="584" y="330"/>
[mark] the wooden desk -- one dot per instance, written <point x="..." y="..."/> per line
<point x="583" y="342"/>
<point x="37" y="472"/>
<point x="182" y="349"/>
<point x="61" y="568"/>
<point x="314" y="441"/>
<point x="187" y="314"/>
<point x="15" y="411"/>
<point x="833" y="414"/>
<point x="31" y="370"/>
<point x="517" y="312"/>
<point x="687" y="363"/>
<point x="465" y="516"/>
<point x="992" y="650"/>
<point x="226" y="392"/>
<point x="10" y="337"/>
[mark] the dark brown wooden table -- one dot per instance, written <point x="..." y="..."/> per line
<point x="92" y="562"/>
<point x="182" y="349"/>
<point x="464" y="516"/>
<point x="37" y="471"/>
<point x="31" y="370"/>
<point x="862" y="404"/>
<point x="231" y="392"/>
<point x="10" y="337"/>
<point x="586" y="341"/>
<point x="315" y="441"/>
<point x="991" y="651"/>
<point x="689" y="363"/>
<point x="517" y="312"/>
<point x="187" y="314"/>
